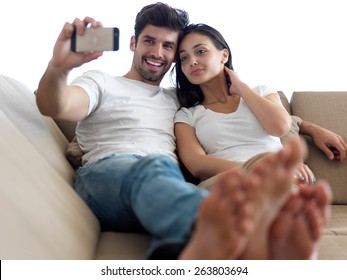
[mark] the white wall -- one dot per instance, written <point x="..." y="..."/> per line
<point x="292" y="45"/>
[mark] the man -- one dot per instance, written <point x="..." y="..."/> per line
<point x="332" y="144"/>
<point x="130" y="178"/>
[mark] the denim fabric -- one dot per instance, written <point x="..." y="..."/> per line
<point x="130" y="193"/>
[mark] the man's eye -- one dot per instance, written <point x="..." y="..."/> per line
<point x="170" y="47"/>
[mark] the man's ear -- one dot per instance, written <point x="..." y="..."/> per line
<point x="132" y="43"/>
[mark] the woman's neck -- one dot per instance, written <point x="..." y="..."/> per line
<point x="215" y="93"/>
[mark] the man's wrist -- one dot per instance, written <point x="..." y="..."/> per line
<point x="307" y="128"/>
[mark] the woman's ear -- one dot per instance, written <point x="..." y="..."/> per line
<point x="225" y="56"/>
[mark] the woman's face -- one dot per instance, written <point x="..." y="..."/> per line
<point x="200" y="60"/>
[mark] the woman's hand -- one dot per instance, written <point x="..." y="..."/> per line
<point x="303" y="175"/>
<point x="269" y="110"/>
<point x="235" y="82"/>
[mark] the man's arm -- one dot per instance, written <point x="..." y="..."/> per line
<point x="59" y="101"/>
<point x="54" y="97"/>
<point x="329" y="142"/>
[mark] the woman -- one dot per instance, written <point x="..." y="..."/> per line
<point x="223" y="123"/>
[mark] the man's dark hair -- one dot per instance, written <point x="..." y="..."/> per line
<point x="161" y="15"/>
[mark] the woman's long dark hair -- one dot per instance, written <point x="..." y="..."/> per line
<point x="188" y="94"/>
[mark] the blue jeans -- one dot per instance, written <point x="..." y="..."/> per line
<point x="130" y="193"/>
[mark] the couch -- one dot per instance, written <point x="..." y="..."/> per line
<point x="42" y="217"/>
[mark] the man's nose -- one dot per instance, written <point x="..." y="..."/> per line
<point x="157" y="51"/>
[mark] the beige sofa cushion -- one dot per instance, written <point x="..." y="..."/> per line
<point x="337" y="224"/>
<point x="327" y="109"/>
<point x="333" y="242"/>
<point x="41" y="215"/>
<point x="18" y="103"/>
<point x="334" y="239"/>
<point x="122" y="246"/>
<point x="332" y="248"/>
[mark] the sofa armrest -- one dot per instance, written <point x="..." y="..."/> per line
<point x="327" y="109"/>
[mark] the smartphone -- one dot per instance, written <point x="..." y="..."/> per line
<point x="96" y="39"/>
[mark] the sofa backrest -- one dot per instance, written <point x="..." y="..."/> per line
<point x="41" y="215"/>
<point x="284" y="101"/>
<point x="327" y="109"/>
<point x="19" y="105"/>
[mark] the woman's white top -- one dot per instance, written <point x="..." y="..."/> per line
<point x="237" y="136"/>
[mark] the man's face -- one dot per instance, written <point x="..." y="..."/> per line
<point x="154" y="52"/>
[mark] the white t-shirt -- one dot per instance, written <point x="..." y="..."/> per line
<point x="237" y="136"/>
<point x="125" y="117"/>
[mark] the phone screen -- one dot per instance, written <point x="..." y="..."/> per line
<point x="96" y="39"/>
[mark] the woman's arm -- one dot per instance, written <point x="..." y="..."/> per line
<point x="268" y="110"/>
<point x="194" y="157"/>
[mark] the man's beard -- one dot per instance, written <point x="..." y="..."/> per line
<point x="149" y="76"/>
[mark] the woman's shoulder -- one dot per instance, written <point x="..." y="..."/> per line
<point x="192" y="110"/>
<point x="188" y="113"/>
<point x="264" y="90"/>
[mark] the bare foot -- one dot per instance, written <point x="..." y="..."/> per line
<point x="274" y="175"/>
<point x="296" y="231"/>
<point x="224" y="221"/>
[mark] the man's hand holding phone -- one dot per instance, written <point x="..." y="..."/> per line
<point x="64" y="59"/>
